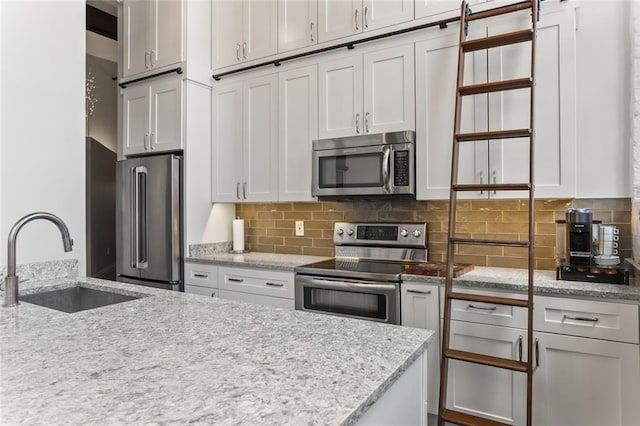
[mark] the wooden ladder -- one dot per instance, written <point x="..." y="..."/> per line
<point x="527" y="35"/>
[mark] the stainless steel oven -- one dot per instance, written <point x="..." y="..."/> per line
<point x="363" y="280"/>
<point x="378" y="164"/>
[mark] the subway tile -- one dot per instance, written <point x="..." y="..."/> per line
<point x="316" y="251"/>
<point x="437" y="237"/>
<point x="480" y="250"/>
<point x="544" y="216"/>
<point x="545" y="240"/>
<point x="471" y="227"/>
<point x="285" y="224"/>
<point x="256" y="231"/>
<point x="328" y="215"/>
<point x="555" y="204"/>
<point x="262" y="223"/>
<point x="516" y="252"/>
<point x="320" y="242"/>
<point x="620" y="216"/>
<point x="437" y="247"/>
<point x="508" y="262"/>
<point x="515" y="216"/>
<point x="434" y="227"/>
<point x="264" y="248"/>
<point x="288" y="250"/>
<point x="546" y="228"/>
<point x="319" y="224"/>
<point x="507" y="228"/>
<point x="269" y="215"/>
<point x="298" y="215"/>
<point x="310" y="206"/>
<point x="298" y="241"/>
<point x="271" y="240"/>
<point x="603" y="203"/>
<point x="280" y="232"/>
<point x="548" y="264"/>
<point x="479" y="216"/>
<point x="395" y="216"/>
<point x="474" y="260"/>
<point x="312" y="233"/>
<point x="495" y="236"/>
<point x="487" y="205"/>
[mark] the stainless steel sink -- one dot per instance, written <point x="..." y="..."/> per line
<point x="75" y="299"/>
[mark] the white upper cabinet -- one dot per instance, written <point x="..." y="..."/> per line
<point x="424" y="8"/>
<point x="153" y="35"/>
<point x="298" y="127"/>
<point x="152" y="117"/>
<point x="368" y="93"/>
<point x="297" y="24"/>
<point x="341" y="18"/>
<point x="243" y="30"/>
<point x="245" y="140"/>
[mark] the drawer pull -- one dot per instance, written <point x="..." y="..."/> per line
<point x="213" y="294"/>
<point x="235" y="280"/>
<point x="537" y="353"/>
<point x="564" y="317"/>
<point x="481" y="308"/>
<point x="418" y="291"/>
<point x="197" y="275"/>
<point x="520" y="347"/>
<point x="275" y="284"/>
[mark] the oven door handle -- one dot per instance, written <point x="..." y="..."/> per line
<point x="346" y="284"/>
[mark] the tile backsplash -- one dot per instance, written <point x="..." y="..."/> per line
<point x="270" y="226"/>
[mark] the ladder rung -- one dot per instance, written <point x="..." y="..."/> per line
<point x="491" y="361"/>
<point x="500" y="134"/>
<point x="479" y="242"/>
<point x="464" y="419"/>
<point x="497" y="40"/>
<point x="492" y="187"/>
<point x="496" y="86"/>
<point x="506" y="301"/>
<point x="499" y="11"/>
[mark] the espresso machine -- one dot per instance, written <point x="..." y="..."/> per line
<point x="587" y="250"/>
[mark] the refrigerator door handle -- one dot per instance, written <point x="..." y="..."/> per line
<point x="142" y="215"/>
<point x="133" y="216"/>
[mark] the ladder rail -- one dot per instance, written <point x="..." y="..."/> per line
<point x="525" y="83"/>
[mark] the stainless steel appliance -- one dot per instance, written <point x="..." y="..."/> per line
<point x="149" y="221"/>
<point x="579" y="224"/>
<point x="378" y="164"/>
<point x="363" y="280"/>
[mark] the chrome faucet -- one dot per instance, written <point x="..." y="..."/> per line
<point x="11" y="281"/>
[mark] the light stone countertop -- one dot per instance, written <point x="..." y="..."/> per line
<point x="283" y="262"/>
<point x="178" y="358"/>
<point x="545" y="283"/>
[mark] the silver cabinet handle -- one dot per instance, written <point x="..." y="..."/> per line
<point x="366" y="122"/>
<point x="589" y="319"/>
<point x="244" y="50"/>
<point x="235" y="280"/>
<point x="146" y="59"/>
<point x="152" y="141"/>
<point x="311" y="31"/>
<point x="409" y="290"/>
<point x="238" y="190"/>
<point x="366" y="12"/>
<point x="274" y="284"/>
<point x="152" y="58"/>
<point x="520" y="347"/>
<point x="355" y="15"/>
<point x="146" y="141"/>
<point x="358" y="123"/>
<point x="197" y="275"/>
<point x="244" y="190"/>
<point x="213" y="294"/>
<point x="494" y="176"/>
<point x="238" y="51"/>
<point x="537" y="344"/>
<point x="481" y="308"/>
<point x="481" y="179"/>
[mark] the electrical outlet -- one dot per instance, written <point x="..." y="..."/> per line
<point x="299" y="228"/>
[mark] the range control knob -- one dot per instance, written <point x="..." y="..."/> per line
<point x="339" y="231"/>
<point x="350" y="231"/>
<point x="404" y="232"/>
<point x="417" y="233"/>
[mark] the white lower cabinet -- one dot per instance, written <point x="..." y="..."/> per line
<point x="261" y="286"/>
<point x="201" y="279"/>
<point x="419" y="308"/>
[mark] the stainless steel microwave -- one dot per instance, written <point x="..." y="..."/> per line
<point x="373" y="164"/>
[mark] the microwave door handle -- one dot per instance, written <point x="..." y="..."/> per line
<point x="385" y="169"/>
<point x="345" y="284"/>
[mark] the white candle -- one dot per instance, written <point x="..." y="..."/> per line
<point x="238" y="234"/>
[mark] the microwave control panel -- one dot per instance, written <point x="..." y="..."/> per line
<point x="401" y="168"/>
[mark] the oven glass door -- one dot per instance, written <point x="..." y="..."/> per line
<point x="371" y="300"/>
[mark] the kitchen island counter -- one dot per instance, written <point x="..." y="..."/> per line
<point x="178" y="358"/>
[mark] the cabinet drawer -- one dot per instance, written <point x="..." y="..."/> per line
<point x="201" y="275"/>
<point x="487" y="313"/>
<point x="202" y="291"/>
<point x="257" y="281"/>
<point x="258" y="299"/>
<point x="599" y="320"/>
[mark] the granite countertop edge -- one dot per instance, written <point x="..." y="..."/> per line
<point x="258" y="260"/>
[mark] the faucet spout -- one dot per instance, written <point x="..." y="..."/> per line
<point x="11" y="287"/>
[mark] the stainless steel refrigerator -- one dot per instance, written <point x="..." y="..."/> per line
<point x="149" y="221"/>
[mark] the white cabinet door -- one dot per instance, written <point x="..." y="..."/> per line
<point x="227" y="20"/>
<point x="382" y="13"/>
<point x="340" y="103"/>
<point x="201" y="291"/>
<point x="450" y="8"/>
<point x="554" y="109"/>
<point x="493" y="393"/>
<point x="166" y="116"/>
<point x="580" y="381"/>
<point x="166" y="32"/>
<point x="436" y="73"/>
<point x="226" y="142"/>
<point x="297" y="24"/>
<point x="420" y="308"/>
<point x="260" y="139"/>
<point x="136" y="32"/>
<point x="136" y="120"/>
<point x="338" y="18"/>
<point x="389" y="95"/>
<point x="298" y="127"/>
<point x="260" y="28"/>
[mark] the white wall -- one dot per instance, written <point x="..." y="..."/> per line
<point x="42" y="154"/>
